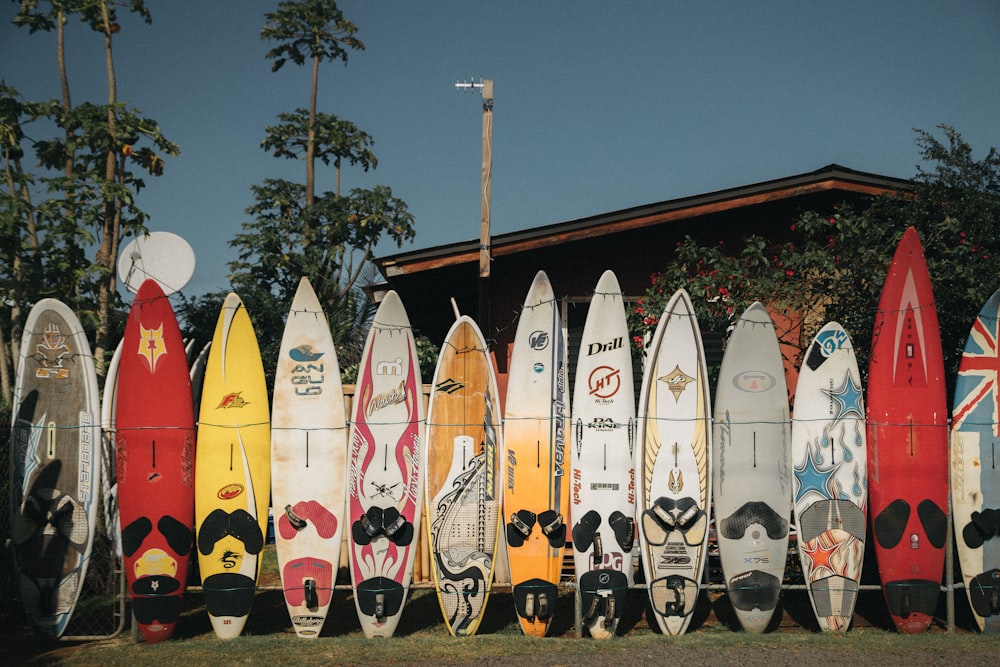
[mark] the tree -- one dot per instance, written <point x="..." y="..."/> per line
<point x="315" y="30"/>
<point x="295" y="231"/>
<point x="830" y="265"/>
<point x="93" y="157"/>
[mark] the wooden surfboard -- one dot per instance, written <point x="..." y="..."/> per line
<point x="975" y="475"/>
<point x="234" y="469"/>
<point x="751" y="468"/>
<point x="674" y="466"/>
<point x="308" y="462"/>
<point x="384" y="478"/>
<point x="602" y="451"/>
<point x="536" y="495"/>
<point x="463" y="473"/>
<point x="55" y="476"/>
<point x="154" y="419"/>
<point x="908" y="441"/>
<point x="829" y="457"/>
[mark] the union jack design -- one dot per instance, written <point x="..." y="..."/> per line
<point x="978" y="372"/>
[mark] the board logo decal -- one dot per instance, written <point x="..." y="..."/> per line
<point x="230" y="491"/>
<point x="449" y="385"/>
<point x="538" y="340"/>
<point x="597" y="348"/>
<point x="753" y="381"/>
<point x="604" y="382"/>
<point x="676" y="381"/>
<point x="304" y="354"/>
<point x="539" y="367"/>
<point x="394" y="396"/>
<point x="151" y="345"/>
<point x="232" y="400"/>
<point x="50" y="352"/>
<point x="831" y="341"/>
<point x="390" y="367"/>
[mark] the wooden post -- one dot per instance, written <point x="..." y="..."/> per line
<point x="485" y="239"/>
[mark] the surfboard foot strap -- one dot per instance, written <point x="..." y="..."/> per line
<point x="984" y="592"/>
<point x="553" y="527"/>
<point x="534" y="599"/>
<point x="298" y="523"/>
<point x="624" y="528"/>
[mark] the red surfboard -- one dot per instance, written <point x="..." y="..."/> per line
<point x="908" y="441"/>
<point x="155" y="437"/>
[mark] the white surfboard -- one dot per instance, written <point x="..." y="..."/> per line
<point x="673" y="466"/>
<point x="975" y="486"/>
<point x="751" y="474"/>
<point x="830" y="464"/>
<point x="602" y="454"/>
<point x="384" y="478"/>
<point x="308" y="462"/>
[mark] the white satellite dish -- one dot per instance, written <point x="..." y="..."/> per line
<point x="163" y="256"/>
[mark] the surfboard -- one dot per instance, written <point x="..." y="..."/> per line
<point x="154" y="421"/>
<point x="908" y="440"/>
<point x="233" y="470"/>
<point x="463" y="473"/>
<point x="830" y="490"/>
<point x="975" y="476"/>
<point x="55" y="476"/>
<point x="536" y="494"/>
<point x="109" y="478"/>
<point x="673" y="466"/>
<point x="751" y="468"/>
<point x="602" y="456"/>
<point x="384" y="476"/>
<point x="308" y="462"/>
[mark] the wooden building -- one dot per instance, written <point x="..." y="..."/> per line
<point x="634" y="242"/>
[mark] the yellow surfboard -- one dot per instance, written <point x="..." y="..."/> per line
<point x="536" y="489"/>
<point x="232" y="470"/>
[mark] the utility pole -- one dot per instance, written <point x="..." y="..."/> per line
<point x="485" y="242"/>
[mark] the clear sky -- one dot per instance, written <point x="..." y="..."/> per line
<point x="599" y="106"/>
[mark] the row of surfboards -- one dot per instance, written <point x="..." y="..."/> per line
<point x="522" y="487"/>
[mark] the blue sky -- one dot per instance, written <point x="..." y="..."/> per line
<point x="599" y="106"/>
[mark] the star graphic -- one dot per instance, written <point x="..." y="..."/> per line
<point x="810" y="478"/>
<point x="819" y="555"/>
<point x="848" y="397"/>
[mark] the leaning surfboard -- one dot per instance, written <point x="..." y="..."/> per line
<point x="384" y="478"/>
<point x="602" y="450"/>
<point x="908" y="440"/>
<point x="154" y="418"/>
<point x="462" y="467"/>
<point x="831" y="486"/>
<point x="308" y="462"/>
<point x="233" y="470"/>
<point x="751" y="471"/>
<point x="55" y="476"/>
<point x="674" y="465"/>
<point x="975" y="477"/>
<point x="537" y="491"/>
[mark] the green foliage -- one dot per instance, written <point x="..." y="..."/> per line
<point x="308" y="29"/>
<point x="294" y="232"/>
<point x="830" y="265"/>
<point x="334" y="139"/>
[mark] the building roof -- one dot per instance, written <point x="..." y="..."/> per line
<point x="832" y="177"/>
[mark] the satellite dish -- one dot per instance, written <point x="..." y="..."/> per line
<point x="165" y="257"/>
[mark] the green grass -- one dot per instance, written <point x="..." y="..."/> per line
<point x="432" y="648"/>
